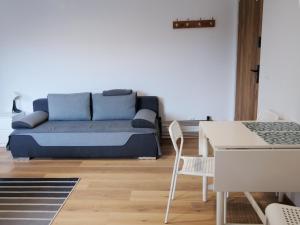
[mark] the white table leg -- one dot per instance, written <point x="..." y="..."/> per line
<point x="204" y="154"/>
<point x="200" y="141"/>
<point x="204" y="189"/>
<point x="225" y="207"/>
<point x="204" y="146"/>
<point x="220" y="208"/>
<point x="280" y="196"/>
<point x="255" y="206"/>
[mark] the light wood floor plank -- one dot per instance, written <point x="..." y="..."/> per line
<point x="122" y="192"/>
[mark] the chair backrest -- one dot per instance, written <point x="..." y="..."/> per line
<point x="267" y="116"/>
<point x="176" y="134"/>
<point x="278" y="214"/>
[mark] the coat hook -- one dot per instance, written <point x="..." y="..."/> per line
<point x="187" y="24"/>
<point x="192" y="23"/>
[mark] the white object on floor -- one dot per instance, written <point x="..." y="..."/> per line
<point x="267" y="116"/>
<point x="278" y="214"/>
<point x="5" y="125"/>
<point x="193" y="166"/>
<point x="5" y="128"/>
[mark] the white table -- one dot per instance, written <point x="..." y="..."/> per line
<point x="244" y="162"/>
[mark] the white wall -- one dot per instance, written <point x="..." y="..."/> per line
<point x="280" y="59"/>
<point x="280" y="62"/>
<point x="90" y="45"/>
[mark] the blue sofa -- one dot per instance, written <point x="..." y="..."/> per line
<point x="112" y="124"/>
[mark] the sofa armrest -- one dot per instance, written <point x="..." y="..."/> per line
<point x="144" y="118"/>
<point x="30" y="121"/>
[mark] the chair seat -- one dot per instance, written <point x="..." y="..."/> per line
<point x="278" y="214"/>
<point x="198" y="166"/>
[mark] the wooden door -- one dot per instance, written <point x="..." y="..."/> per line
<point x="249" y="44"/>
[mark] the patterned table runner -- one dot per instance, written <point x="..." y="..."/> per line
<point x="281" y="138"/>
<point x="272" y="126"/>
<point x="276" y="133"/>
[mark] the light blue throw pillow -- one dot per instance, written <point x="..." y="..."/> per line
<point x="120" y="107"/>
<point x="144" y="118"/>
<point x="69" y="106"/>
<point x="30" y="121"/>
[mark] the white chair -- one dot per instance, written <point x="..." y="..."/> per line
<point x="267" y="116"/>
<point x="278" y="214"/>
<point x="193" y="166"/>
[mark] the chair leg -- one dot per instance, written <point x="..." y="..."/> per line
<point x="168" y="207"/>
<point x="172" y="189"/>
<point x="204" y="189"/>
<point x="280" y="196"/>
<point x="225" y="207"/>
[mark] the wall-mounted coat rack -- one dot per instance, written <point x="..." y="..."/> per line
<point x="182" y="24"/>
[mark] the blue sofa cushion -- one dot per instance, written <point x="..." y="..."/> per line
<point x="30" y="121"/>
<point x="84" y="133"/>
<point x="142" y="102"/>
<point x="69" y="106"/>
<point x="114" y="107"/>
<point x="144" y="118"/>
<point x="117" y="92"/>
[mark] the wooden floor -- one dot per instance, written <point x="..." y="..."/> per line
<point x="124" y="192"/>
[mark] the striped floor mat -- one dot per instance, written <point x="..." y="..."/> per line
<point x="33" y="201"/>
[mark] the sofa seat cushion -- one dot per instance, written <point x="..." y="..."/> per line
<point x="84" y="133"/>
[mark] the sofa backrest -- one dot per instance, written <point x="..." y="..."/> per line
<point x="143" y="102"/>
<point x="64" y="107"/>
